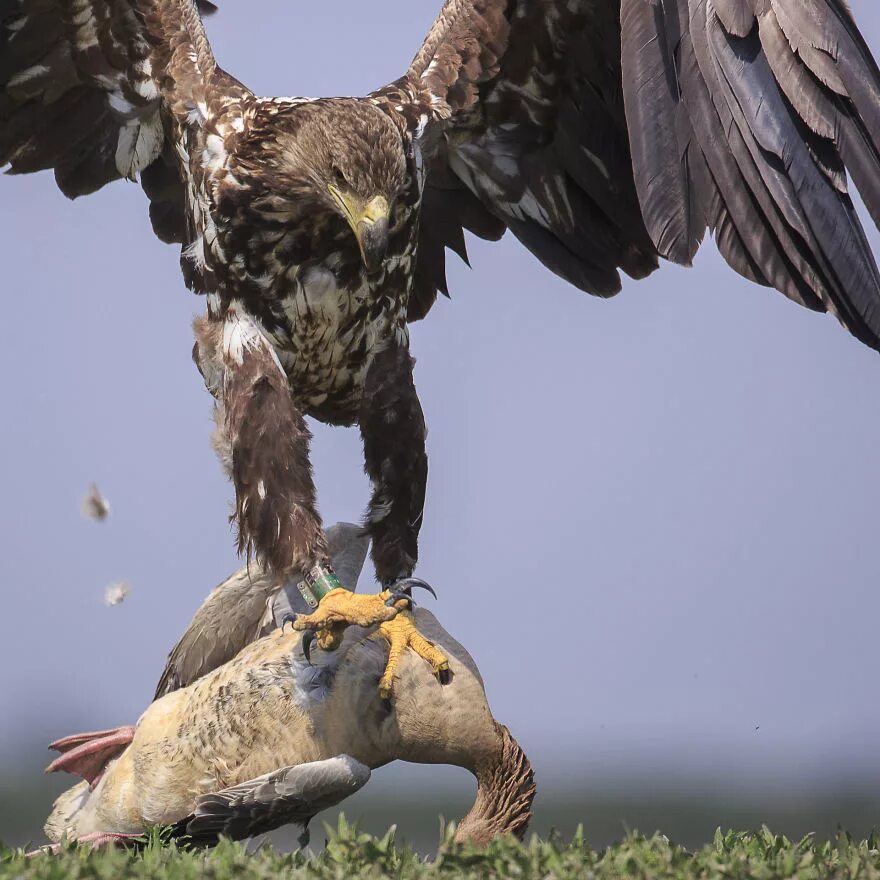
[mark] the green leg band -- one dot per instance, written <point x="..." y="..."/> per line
<point x="318" y="581"/>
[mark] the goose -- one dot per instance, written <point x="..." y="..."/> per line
<point x="253" y="729"/>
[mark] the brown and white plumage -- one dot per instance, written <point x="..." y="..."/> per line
<point x="604" y="134"/>
<point x="303" y="249"/>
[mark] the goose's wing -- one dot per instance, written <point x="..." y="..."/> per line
<point x="290" y="795"/>
<point x="607" y="133"/>
<point x="245" y="606"/>
<point x="226" y="622"/>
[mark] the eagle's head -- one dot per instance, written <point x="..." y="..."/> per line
<point x="345" y="157"/>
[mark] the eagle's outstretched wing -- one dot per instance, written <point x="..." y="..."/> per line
<point x="103" y="89"/>
<point x="606" y="133"/>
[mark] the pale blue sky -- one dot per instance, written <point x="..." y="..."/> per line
<point x="653" y="521"/>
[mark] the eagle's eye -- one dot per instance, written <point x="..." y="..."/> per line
<point x="339" y="177"/>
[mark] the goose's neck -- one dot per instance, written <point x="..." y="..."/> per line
<point x="505" y="791"/>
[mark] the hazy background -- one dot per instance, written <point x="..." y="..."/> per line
<point x="653" y="521"/>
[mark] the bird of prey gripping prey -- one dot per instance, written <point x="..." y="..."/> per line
<point x="606" y="135"/>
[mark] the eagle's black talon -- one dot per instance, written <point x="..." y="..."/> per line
<point x="386" y="704"/>
<point x="444" y="676"/>
<point x="288" y="618"/>
<point x="410" y="583"/>
<point x="307" y="642"/>
<point x="398" y="596"/>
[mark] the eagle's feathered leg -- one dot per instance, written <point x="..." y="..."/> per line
<point x="263" y="442"/>
<point x="393" y="430"/>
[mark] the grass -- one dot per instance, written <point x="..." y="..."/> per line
<point x="352" y="853"/>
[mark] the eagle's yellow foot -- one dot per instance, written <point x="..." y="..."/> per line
<point x="401" y="633"/>
<point x="340" y="609"/>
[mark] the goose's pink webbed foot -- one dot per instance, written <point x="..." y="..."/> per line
<point x="96" y="840"/>
<point x="88" y="754"/>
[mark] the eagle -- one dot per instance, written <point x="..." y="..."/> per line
<point x="607" y="136"/>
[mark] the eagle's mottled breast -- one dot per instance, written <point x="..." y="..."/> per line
<point x="300" y="274"/>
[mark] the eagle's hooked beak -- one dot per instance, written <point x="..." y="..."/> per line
<point x="369" y="222"/>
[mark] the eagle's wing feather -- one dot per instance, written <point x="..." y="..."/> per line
<point x="518" y="102"/>
<point x="607" y="133"/>
<point x="90" y="89"/>
<point x="777" y="101"/>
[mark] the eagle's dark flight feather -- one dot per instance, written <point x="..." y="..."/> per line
<point x="606" y="133"/>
